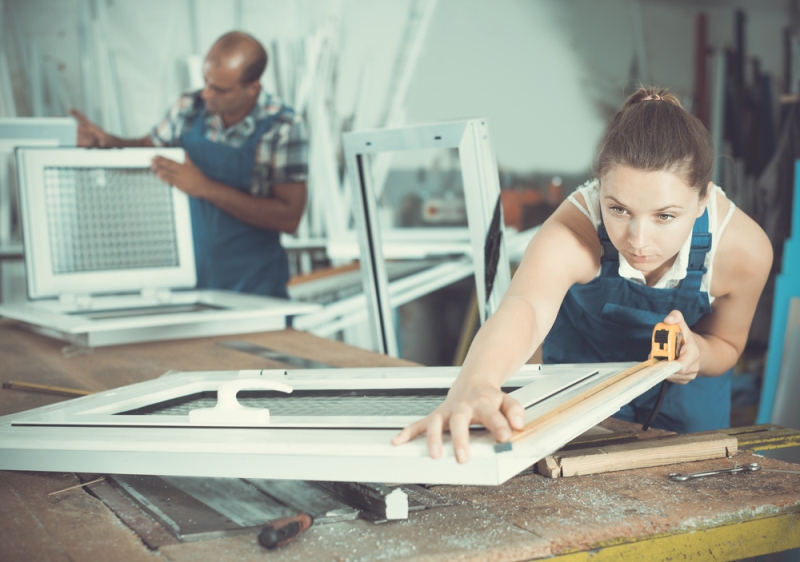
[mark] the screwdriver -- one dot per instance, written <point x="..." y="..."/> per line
<point x="285" y="530"/>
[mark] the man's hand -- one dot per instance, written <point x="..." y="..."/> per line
<point x="92" y="136"/>
<point x="187" y="177"/>
<point x="89" y="134"/>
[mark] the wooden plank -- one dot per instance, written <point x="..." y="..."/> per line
<point x="69" y="527"/>
<point x="152" y="533"/>
<point x="588" y="441"/>
<point x="536" y="424"/>
<point x="323" y="273"/>
<point x="642" y="454"/>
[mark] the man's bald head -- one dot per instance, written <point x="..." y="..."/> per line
<point x="237" y="49"/>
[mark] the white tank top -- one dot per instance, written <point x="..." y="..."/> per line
<point x="672" y="278"/>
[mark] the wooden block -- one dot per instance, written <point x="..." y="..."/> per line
<point x="671" y="449"/>
<point x="548" y="466"/>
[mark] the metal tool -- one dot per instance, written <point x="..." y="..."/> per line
<point x="283" y="531"/>
<point x="752" y="467"/>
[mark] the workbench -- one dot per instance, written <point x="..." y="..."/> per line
<point x="636" y="514"/>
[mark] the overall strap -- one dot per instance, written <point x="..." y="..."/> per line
<point x="196" y="118"/>
<point x="701" y="244"/>
<point x="198" y="124"/>
<point x="262" y="127"/>
<point x="609" y="261"/>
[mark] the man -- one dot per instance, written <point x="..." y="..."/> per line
<point x="245" y="168"/>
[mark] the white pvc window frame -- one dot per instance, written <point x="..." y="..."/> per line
<point x="228" y="313"/>
<point x="43" y="282"/>
<point x="482" y="196"/>
<point x="53" y="438"/>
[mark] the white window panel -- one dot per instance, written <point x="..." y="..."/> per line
<point x="106" y="242"/>
<point x="128" y="430"/>
<point x="113" y="320"/>
<point x="75" y="202"/>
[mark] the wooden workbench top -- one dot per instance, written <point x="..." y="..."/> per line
<point x="528" y="517"/>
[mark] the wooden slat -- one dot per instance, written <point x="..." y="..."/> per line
<point x="643" y="454"/>
<point x="323" y="273"/>
<point x="534" y="425"/>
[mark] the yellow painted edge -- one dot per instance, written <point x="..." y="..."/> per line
<point x="777" y="444"/>
<point x="729" y="542"/>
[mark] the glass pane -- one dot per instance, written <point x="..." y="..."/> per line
<point x="312" y="403"/>
<point x="418" y="189"/>
<point x="422" y="218"/>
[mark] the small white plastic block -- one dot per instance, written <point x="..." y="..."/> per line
<point x="397" y="504"/>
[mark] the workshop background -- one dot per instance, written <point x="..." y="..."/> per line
<point x="546" y="73"/>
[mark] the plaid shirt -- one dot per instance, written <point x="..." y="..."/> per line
<point x="281" y="154"/>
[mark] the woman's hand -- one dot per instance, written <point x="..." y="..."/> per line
<point x="467" y="403"/>
<point x="688" y="353"/>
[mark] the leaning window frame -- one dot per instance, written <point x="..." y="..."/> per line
<point x="484" y="214"/>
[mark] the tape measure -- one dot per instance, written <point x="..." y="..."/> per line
<point x="666" y="342"/>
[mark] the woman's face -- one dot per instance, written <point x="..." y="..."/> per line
<point x="648" y="216"/>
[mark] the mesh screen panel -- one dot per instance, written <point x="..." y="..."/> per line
<point x="109" y="219"/>
<point x="317" y="404"/>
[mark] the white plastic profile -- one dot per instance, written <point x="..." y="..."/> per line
<point x="228" y="412"/>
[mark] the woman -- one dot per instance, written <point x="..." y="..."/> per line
<point x="651" y="239"/>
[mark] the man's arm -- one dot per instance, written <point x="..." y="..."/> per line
<point x="90" y="135"/>
<point x="282" y="211"/>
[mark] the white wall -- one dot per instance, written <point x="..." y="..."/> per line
<point x="545" y="72"/>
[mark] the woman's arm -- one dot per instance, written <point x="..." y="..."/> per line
<point x="741" y="266"/>
<point x="565" y="251"/>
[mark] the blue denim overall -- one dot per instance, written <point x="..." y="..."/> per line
<point x="230" y="254"/>
<point x="611" y="319"/>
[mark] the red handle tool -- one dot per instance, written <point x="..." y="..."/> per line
<point x="283" y="531"/>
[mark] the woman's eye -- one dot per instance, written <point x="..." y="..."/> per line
<point x="617" y="210"/>
<point x="665" y="217"/>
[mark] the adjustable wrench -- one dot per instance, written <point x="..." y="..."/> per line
<point x="752" y="467"/>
